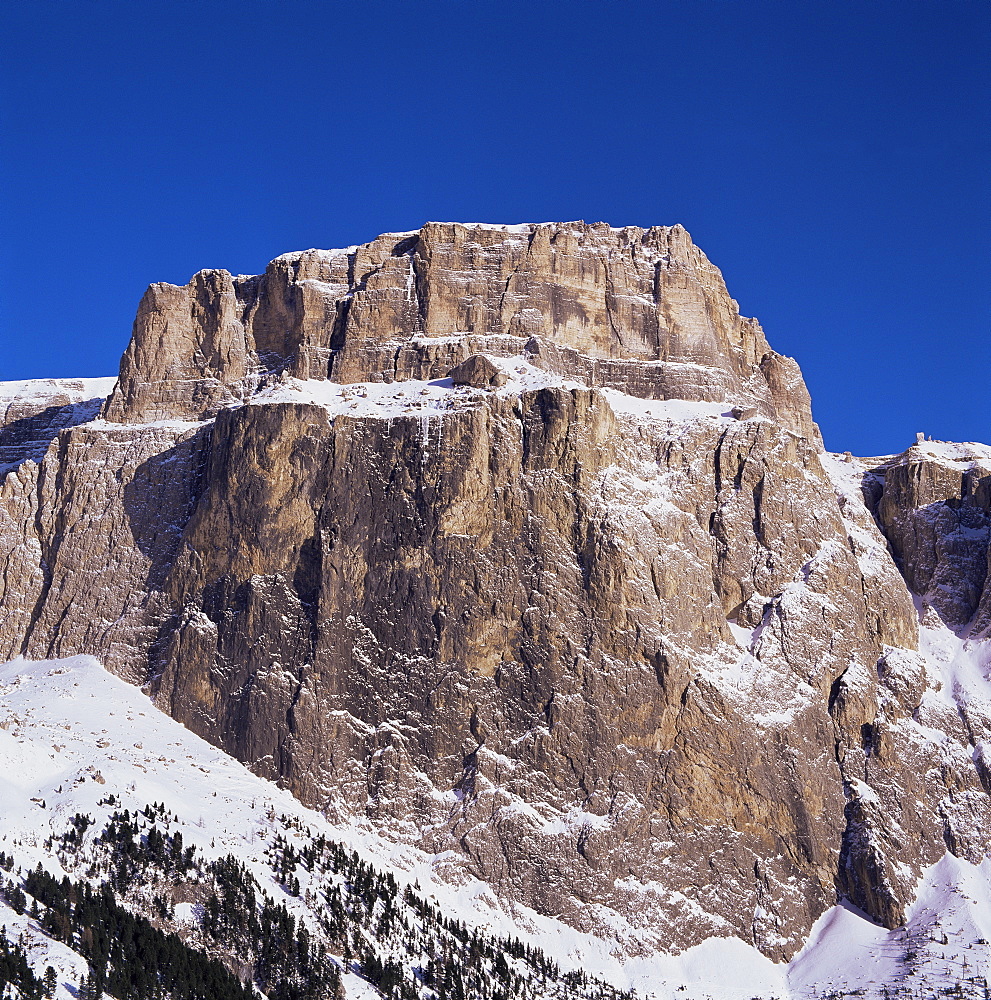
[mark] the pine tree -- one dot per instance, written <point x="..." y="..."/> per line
<point x="85" y="991"/>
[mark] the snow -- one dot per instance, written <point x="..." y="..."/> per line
<point x="524" y="228"/>
<point x="744" y="636"/>
<point x="37" y="409"/>
<point x="70" y="732"/>
<point x="847" y="952"/>
<point x="842" y="941"/>
<point x="516" y="228"/>
<point x="846" y="476"/>
<point x="331" y="254"/>
<point x="42" y="951"/>
<point x="962" y="665"/>
<point x="765" y="694"/>
<point x="78" y="389"/>
<point x="167" y="425"/>
<point x="388" y="400"/>
<point x="672" y="410"/>
<point x="951" y="452"/>
<point x="869" y="546"/>
<point x="363" y="399"/>
<point x="358" y="989"/>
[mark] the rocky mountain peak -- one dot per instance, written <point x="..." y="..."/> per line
<point x="643" y="311"/>
<point x="519" y="544"/>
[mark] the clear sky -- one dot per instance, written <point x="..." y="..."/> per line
<point x="832" y="158"/>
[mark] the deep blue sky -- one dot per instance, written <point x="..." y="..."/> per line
<point x="831" y="157"/>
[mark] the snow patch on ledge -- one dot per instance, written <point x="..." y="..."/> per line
<point x="963" y="453"/>
<point x="528" y="227"/>
<point x="40" y="389"/>
<point x="672" y="410"/>
<point x="146" y="425"/>
<point x="411" y="396"/>
<point x="416" y="396"/>
<point x="516" y="228"/>
<point x="363" y="399"/>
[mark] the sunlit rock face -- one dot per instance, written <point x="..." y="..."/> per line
<point x="597" y="615"/>
<point x="639" y="310"/>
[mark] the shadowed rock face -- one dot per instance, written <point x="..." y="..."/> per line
<point x="639" y="662"/>
<point x="33" y="412"/>
<point x="934" y="505"/>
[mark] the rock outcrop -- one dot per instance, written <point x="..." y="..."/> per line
<point x="521" y="543"/>
<point x="479" y="372"/>
<point x="934" y="505"/>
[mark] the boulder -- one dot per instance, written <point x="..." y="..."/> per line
<point x="479" y="372"/>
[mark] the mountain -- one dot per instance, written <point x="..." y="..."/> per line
<point x="519" y="545"/>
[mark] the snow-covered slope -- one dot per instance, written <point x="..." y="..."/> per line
<point x="75" y="740"/>
<point x="43" y="390"/>
<point x="942" y="948"/>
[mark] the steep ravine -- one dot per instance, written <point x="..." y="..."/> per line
<point x="607" y="623"/>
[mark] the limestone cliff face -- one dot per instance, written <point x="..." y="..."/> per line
<point x="33" y="412"/>
<point x="598" y="616"/>
<point x="639" y="310"/>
